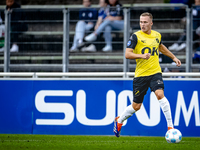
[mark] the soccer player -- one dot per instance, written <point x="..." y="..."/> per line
<point x="144" y="46"/>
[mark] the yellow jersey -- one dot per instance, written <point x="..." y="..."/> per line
<point x="142" y="43"/>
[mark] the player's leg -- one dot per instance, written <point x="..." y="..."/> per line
<point x="157" y="86"/>
<point x="140" y="86"/>
<point x="128" y="112"/>
<point x="165" y="106"/>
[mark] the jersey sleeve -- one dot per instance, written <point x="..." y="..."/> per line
<point x="132" y="42"/>
<point x="160" y="40"/>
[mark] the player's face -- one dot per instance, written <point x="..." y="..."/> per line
<point x="146" y="24"/>
<point x="86" y="3"/>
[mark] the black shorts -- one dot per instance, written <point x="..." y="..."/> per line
<point x="141" y="85"/>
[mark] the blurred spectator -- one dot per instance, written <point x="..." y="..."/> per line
<point x="2" y="33"/>
<point x="87" y="16"/>
<point x="112" y="20"/>
<point x="196" y="56"/>
<point x="102" y="4"/>
<point x="11" y="4"/>
<point x="180" y="44"/>
<point x="15" y="25"/>
<point x="187" y="2"/>
<point x="173" y="70"/>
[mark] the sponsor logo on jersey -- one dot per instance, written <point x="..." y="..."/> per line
<point x="152" y="51"/>
<point x="129" y="43"/>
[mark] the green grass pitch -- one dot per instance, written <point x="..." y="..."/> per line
<point x="73" y="142"/>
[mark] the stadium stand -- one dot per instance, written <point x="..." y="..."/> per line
<point x="75" y="2"/>
<point x="42" y="43"/>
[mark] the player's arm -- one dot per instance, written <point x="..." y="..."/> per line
<point x="166" y="52"/>
<point x="129" y="54"/>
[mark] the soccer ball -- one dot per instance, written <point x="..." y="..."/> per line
<point x="173" y="136"/>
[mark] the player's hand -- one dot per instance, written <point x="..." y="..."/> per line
<point x="146" y="56"/>
<point x="177" y="61"/>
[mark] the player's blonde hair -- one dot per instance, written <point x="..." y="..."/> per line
<point x="147" y="14"/>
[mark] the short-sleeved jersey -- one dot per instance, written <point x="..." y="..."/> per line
<point x="142" y="43"/>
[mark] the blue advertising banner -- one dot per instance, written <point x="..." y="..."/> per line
<point x="88" y="107"/>
<point x="16" y="106"/>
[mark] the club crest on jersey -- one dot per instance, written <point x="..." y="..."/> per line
<point x="129" y="43"/>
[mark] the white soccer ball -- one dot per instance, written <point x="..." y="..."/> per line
<point x="173" y="136"/>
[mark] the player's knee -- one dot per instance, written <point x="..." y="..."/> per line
<point x="136" y="107"/>
<point x="159" y="95"/>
